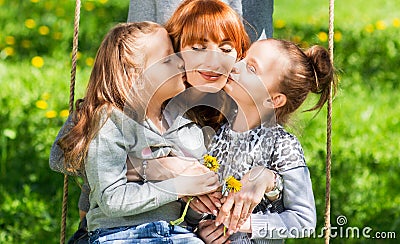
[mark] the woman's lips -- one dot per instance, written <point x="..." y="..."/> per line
<point x="210" y="76"/>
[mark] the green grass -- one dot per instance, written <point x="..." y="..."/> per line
<point x="366" y="111"/>
<point x="353" y="14"/>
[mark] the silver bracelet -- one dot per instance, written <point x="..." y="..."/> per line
<point x="144" y="164"/>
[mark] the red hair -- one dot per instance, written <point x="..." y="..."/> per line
<point x="194" y="20"/>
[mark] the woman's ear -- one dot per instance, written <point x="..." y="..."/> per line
<point x="279" y="100"/>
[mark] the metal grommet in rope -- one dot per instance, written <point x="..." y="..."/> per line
<point x="71" y="109"/>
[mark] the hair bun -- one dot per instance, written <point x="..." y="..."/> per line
<point x="323" y="68"/>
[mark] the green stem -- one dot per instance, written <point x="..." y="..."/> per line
<point x="182" y="218"/>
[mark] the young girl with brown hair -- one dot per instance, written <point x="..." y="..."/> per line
<point x="121" y="116"/>
<point x="269" y="85"/>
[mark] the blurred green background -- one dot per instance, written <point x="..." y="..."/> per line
<point x="35" y="49"/>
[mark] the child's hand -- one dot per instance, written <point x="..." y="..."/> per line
<point x="163" y="168"/>
<point x="209" y="233"/>
<point x="195" y="185"/>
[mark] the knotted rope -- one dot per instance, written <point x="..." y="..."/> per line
<point x="71" y="109"/>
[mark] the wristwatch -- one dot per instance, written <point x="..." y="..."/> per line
<point x="277" y="187"/>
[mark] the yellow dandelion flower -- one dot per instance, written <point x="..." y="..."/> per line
<point x="211" y="162"/>
<point x="89" y="61"/>
<point x="103" y="1"/>
<point x="233" y="184"/>
<point x="57" y="35"/>
<point x="37" y="62"/>
<point x="30" y="23"/>
<point x="44" y="30"/>
<point x="48" y="5"/>
<point x="45" y="96"/>
<point x="41" y="104"/>
<point x="10" y="40"/>
<point x="396" y="22"/>
<point x="337" y="36"/>
<point x="64" y="113"/>
<point x="305" y="44"/>
<point x="78" y="55"/>
<point x="296" y="39"/>
<point x="60" y="12"/>
<point x="26" y="43"/>
<point x="1" y="2"/>
<point x="89" y="6"/>
<point x="34" y="1"/>
<point x="380" y="25"/>
<point x="9" y="51"/>
<point x="323" y="36"/>
<point x="369" y="28"/>
<point x="51" y="114"/>
<point x="279" y="24"/>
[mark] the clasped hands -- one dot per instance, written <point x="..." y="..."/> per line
<point x="234" y="210"/>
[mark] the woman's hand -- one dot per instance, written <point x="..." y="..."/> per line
<point x="209" y="233"/>
<point x="239" y="206"/>
<point x="208" y="203"/>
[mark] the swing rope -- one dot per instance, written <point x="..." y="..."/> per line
<point x="71" y="110"/>
<point x="329" y="129"/>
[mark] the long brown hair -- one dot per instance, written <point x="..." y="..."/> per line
<point x="307" y="71"/>
<point x="190" y="23"/>
<point x="112" y="83"/>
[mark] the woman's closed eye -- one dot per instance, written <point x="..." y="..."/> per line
<point x="167" y="60"/>
<point x="198" y="47"/>
<point x="226" y="48"/>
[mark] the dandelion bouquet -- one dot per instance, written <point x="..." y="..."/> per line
<point x="230" y="184"/>
<point x="211" y="163"/>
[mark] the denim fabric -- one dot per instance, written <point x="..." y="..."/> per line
<point x="154" y="232"/>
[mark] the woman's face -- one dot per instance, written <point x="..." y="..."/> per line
<point x="208" y="63"/>
<point x="254" y="80"/>
<point x="164" y="70"/>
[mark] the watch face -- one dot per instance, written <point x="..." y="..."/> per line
<point x="279" y="182"/>
<point x="278" y="186"/>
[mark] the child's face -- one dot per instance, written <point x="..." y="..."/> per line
<point x="208" y="64"/>
<point x="164" y="72"/>
<point x="254" y="80"/>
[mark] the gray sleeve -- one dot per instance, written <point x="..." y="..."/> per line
<point x="56" y="159"/>
<point x="158" y="11"/>
<point x="258" y="13"/>
<point x="299" y="218"/>
<point x="106" y="173"/>
<point x="83" y="203"/>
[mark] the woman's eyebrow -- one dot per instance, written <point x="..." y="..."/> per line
<point x="226" y="40"/>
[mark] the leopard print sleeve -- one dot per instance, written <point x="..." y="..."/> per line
<point x="288" y="153"/>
